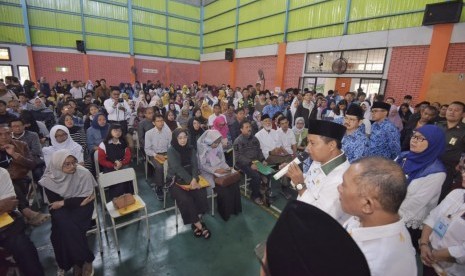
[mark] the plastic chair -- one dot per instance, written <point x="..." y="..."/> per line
<point x="96" y="164"/>
<point x="246" y="179"/>
<point x="135" y="137"/>
<point x="112" y="178"/>
<point x="96" y="230"/>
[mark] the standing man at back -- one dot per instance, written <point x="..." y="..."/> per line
<point x="385" y="137"/>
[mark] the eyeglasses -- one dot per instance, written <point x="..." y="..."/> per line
<point x="69" y="164"/>
<point x="353" y="120"/>
<point x="418" y="138"/>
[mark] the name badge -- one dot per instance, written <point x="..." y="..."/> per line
<point x="441" y="228"/>
<point x="452" y="141"/>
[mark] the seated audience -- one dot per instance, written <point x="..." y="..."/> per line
<point x="92" y="110"/>
<point x="196" y="129"/>
<point x="70" y="191"/>
<point x="183" y="117"/>
<point x="221" y="126"/>
<point x="425" y="174"/>
<point x="5" y="116"/>
<point x="17" y="159"/>
<point x="157" y="141"/>
<point x="234" y="126"/>
<point x="211" y="158"/>
<point x="114" y="154"/>
<point x="300" y="132"/>
<point x="13" y="237"/>
<point x="442" y="242"/>
<point x="170" y="120"/>
<point x="246" y="150"/>
<point x="372" y="191"/>
<point x="190" y="197"/>
<point x="145" y="125"/>
<point x="96" y="133"/>
<point x="270" y="144"/>
<point x="61" y="139"/>
<point x="216" y="113"/>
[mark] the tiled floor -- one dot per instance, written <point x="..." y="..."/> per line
<point x="230" y="251"/>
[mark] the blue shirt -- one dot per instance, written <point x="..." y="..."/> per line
<point x="384" y="140"/>
<point x="355" y="145"/>
<point x="271" y="110"/>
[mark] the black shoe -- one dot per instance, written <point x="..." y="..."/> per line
<point x="159" y="193"/>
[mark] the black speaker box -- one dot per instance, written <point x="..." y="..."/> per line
<point x="80" y="46"/>
<point x="229" y="54"/>
<point x="446" y="12"/>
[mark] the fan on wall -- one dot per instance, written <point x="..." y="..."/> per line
<point x="261" y="77"/>
<point x="339" y="66"/>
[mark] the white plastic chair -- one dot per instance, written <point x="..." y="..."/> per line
<point x="96" y="164"/>
<point x="112" y="178"/>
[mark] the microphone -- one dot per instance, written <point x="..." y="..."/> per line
<point x="299" y="159"/>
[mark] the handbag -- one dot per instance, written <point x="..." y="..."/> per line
<point x="123" y="201"/>
<point x="228" y="179"/>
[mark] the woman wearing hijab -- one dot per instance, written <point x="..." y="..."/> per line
<point x="197" y="114"/>
<point x="301" y="133"/>
<point x="211" y="156"/>
<point x="425" y="174"/>
<point x="61" y="139"/>
<point x="183" y="117"/>
<point x="395" y="118"/>
<point x="404" y="113"/>
<point x="70" y="191"/>
<point x="190" y="197"/>
<point x="206" y="109"/>
<point x="114" y="154"/>
<point x="42" y="113"/>
<point x="78" y="135"/>
<point x="195" y="131"/>
<point x="221" y="126"/>
<point x="97" y="132"/>
<point x="170" y="120"/>
<point x="256" y="122"/>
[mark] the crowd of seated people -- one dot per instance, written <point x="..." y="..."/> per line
<point x="197" y="128"/>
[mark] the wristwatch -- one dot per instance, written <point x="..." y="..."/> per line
<point x="300" y="186"/>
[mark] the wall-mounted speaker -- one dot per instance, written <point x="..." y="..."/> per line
<point x="81" y="46"/>
<point x="446" y="12"/>
<point x="229" y="54"/>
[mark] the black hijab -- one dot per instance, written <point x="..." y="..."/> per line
<point x="72" y="129"/>
<point x="184" y="151"/>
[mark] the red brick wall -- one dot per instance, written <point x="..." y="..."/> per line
<point x="406" y="71"/>
<point x="215" y="72"/>
<point x="113" y="69"/>
<point x="293" y="70"/>
<point x="46" y="62"/>
<point x="150" y="64"/>
<point x="247" y="71"/>
<point x="338" y="86"/>
<point x="455" y="62"/>
<point x="183" y="73"/>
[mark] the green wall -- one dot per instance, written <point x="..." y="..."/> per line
<point x="248" y="23"/>
<point x="168" y="28"/>
<point x="163" y="28"/>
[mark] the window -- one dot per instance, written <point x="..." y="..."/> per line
<point x="5" y="54"/>
<point x="6" y="70"/>
<point x="369" y="61"/>
<point x="23" y="72"/>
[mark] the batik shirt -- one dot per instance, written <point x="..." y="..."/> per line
<point x="384" y="140"/>
<point x="355" y="145"/>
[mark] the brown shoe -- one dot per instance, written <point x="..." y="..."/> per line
<point x="77" y="270"/>
<point x="87" y="269"/>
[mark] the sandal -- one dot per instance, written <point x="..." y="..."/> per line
<point x="38" y="219"/>
<point x="205" y="232"/>
<point x="197" y="231"/>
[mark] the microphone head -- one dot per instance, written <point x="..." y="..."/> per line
<point x="302" y="156"/>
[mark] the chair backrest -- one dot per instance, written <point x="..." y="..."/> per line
<point x="96" y="164"/>
<point x="116" y="177"/>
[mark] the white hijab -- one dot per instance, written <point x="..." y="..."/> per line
<point x="79" y="184"/>
<point x="207" y="154"/>
<point x="69" y="144"/>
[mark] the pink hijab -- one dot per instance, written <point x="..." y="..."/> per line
<point x="220" y="124"/>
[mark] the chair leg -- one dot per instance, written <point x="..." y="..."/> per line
<point x="164" y="198"/>
<point x="147" y="224"/>
<point x="99" y="238"/>
<point x="116" y="236"/>
<point x="137" y="156"/>
<point x="176" y="211"/>
<point x="145" y="167"/>
<point x="213" y="203"/>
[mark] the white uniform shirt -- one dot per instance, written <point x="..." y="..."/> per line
<point x="286" y="139"/>
<point x="114" y="113"/>
<point x="454" y="238"/>
<point x="78" y="92"/>
<point x="321" y="189"/>
<point x="157" y="141"/>
<point x="388" y="248"/>
<point x="268" y="141"/>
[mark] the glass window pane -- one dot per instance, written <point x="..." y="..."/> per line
<point x="309" y="83"/>
<point x="6" y="70"/>
<point x="321" y="62"/>
<point x="23" y="71"/>
<point x="5" y="54"/>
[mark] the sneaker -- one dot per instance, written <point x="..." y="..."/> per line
<point x="87" y="269"/>
<point x="159" y="193"/>
<point x="61" y="272"/>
